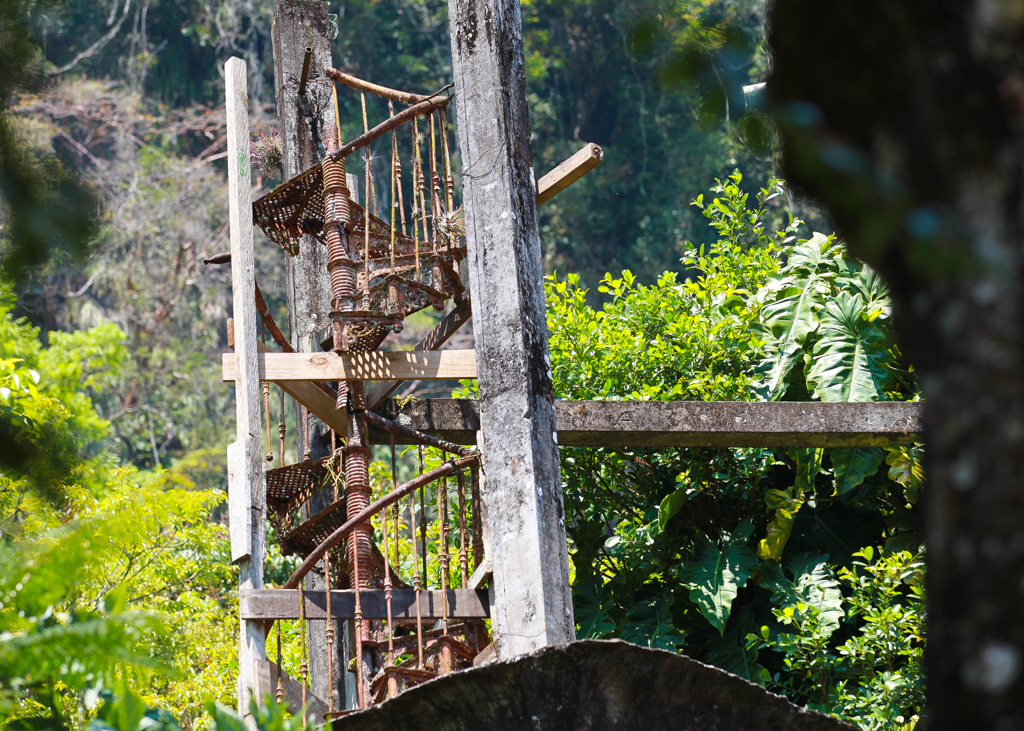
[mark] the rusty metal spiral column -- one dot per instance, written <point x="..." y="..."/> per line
<point x="357" y="498"/>
<point x="340" y="265"/>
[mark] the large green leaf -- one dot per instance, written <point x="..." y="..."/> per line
<point x="731" y="655"/>
<point x="715" y="574"/>
<point x="590" y="606"/>
<point x="808" y="464"/>
<point x="850" y="357"/>
<point x="790" y="315"/>
<point x="812" y="584"/>
<point x="869" y="285"/>
<point x="906" y="466"/>
<point x="672" y="504"/>
<point x="853" y="465"/>
<point x="649" y="624"/>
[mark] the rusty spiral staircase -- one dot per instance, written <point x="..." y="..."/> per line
<point x="380" y="272"/>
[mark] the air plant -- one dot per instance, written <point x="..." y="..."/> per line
<point x="267" y="155"/>
<point x="451" y="226"/>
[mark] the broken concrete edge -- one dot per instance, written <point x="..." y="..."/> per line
<point x="592" y="684"/>
<point x="686" y="423"/>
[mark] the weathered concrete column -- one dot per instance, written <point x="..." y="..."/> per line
<point x="523" y="494"/>
<point x="299" y="24"/>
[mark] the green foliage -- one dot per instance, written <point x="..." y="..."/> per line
<point x="716" y="573"/>
<point x="829" y="315"/>
<point x="46" y="209"/>
<point x="698" y="549"/>
<point x="108" y="575"/>
<point x="874" y="679"/>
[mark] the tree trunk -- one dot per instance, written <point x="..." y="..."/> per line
<point x="904" y="120"/>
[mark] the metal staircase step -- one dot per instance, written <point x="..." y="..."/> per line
<point x="292" y="484"/>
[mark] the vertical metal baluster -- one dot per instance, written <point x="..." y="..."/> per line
<point x="442" y="502"/>
<point x="401" y="199"/>
<point x="449" y="179"/>
<point x="279" y="694"/>
<point x="392" y="687"/>
<point x="415" y="196"/>
<point x="479" y="628"/>
<point x="416" y="581"/>
<point x="478" y="518"/>
<point x="463" y="543"/>
<point x="282" y="428"/>
<point x="303" y="659"/>
<point x="423" y="526"/>
<point x="421" y="188"/>
<point x="435" y="186"/>
<point x="305" y="434"/>
<point x="358" y="622"/>
<point x="266" y="408"/>
<point x="329" y="632"/>
<point x="394" y="200"/>
<point x="446" y="664"/>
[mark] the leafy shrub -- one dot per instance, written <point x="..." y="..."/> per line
<point x="706" y="550"/>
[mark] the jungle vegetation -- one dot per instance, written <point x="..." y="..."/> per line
<point x="800" y="570"/>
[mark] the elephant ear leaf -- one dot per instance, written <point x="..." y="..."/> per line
<point x="853" y="465"/>
<point x="813" y="584"/>
<point x="790" y="317"/>
<point x="716" y="573"/>
<point x="869" y="285"/>
<point x="591" y="609"/>
<point x="850" y="361"/>
<point x="906" y="466"/>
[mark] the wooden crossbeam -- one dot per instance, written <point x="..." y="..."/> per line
<point x="568" y="172"/>
<point x="267" y="674"/>
<point x="441" y="365"/>
<point x="273" y="604"/>
<point x="685" y="423"/>
<point x="317" y="400"/>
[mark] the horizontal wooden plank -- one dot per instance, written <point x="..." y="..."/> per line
<point x="441" y="365"/>
<point x="284" y="604"/>
<point x="685" y="423"/>
<point x="569" y="171"/>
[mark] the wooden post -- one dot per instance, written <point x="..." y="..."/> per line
<point x="533" y="604"/>
<point x="299" y="24"/>
<point x="247" y="490"/>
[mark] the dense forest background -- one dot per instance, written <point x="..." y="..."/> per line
<point x="131" y="95"/>
<point x="109" y="337"/>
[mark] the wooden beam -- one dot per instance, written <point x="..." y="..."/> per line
<point x="321" y="404"/>
<point x="571" y="170"/>
<point x="247" y="489"/>
<point x="267" y="674"/>
<point x="685" y="423"/>
<point x="272" y="604"/>
<point x="523" y="490"/>
<point x="439" y="365"/>
<point x="434" y="340"/>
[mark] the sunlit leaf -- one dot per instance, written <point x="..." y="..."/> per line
<point x="850" y="358"/>
<point x="717" y="572"/>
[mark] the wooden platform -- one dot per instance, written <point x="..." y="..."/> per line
<point x="378" y="365"/>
